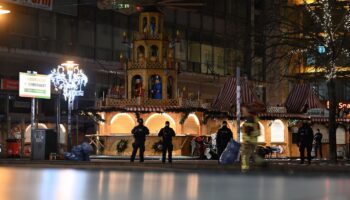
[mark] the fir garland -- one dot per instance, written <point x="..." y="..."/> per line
<point x="184" y="117"/>
<point x="122" y="145"/>
<point x="158" y="146"/>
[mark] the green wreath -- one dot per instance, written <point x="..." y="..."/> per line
<point x="158" y="146"/>
<point x="122" y="145"/>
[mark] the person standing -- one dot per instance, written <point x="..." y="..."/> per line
<point x="223" y="137"/>
<point x="167" y="134"/>
<point x="140" y="131"/>
<point x="250" y="132"/>
<point x="304" y="141"/>
<point x="318" y="143"/>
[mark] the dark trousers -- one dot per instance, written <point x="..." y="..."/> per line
<point x="167" y="148"/>
<point x="135" y="147"/>
<point x="318" y="147"/>
<point x="220" y="150"/>
<point x="302" y="148"/>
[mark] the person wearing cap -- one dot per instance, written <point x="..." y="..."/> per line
<point x="140" y="131"/>
<point x="250" y="132"/>
<point x="167" y="133"/>
<point x="223" y="137"/>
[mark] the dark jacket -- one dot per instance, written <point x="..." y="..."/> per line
<point x="223" y="137"/>
<point x="167" y="134"/>
<point x="318" y="138"/>
<point x="140" y="133"/>
<point x="305" y="135"/>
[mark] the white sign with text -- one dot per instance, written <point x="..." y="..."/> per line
<point x="34" y="86"/>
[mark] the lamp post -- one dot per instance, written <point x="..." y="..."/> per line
<point x="69" y="79"/>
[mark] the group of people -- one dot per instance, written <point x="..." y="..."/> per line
<point x="306" y="140"/>
<point x="140" y="132"/>
<point x="250" y="132"/>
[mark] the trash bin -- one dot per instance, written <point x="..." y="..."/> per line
<point x="13" y="148"/>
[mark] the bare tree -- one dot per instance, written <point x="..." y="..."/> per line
<point x="320" y="29"/>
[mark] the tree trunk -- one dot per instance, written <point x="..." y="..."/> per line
<point x="332" y="121"/>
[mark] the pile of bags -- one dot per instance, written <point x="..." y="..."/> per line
<point x="79" y="152"/>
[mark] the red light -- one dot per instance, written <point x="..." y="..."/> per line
<point x="138" y="8"/>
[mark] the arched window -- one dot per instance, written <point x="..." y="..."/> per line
<point x="170" y="87"/>
<point x="153" y="26"/>
<point x="122" y="123"/>
<point x="340" y="135"/>
<point x="154" y="51"/>
<point x="277" y="131"/>
<point x="157" y="121"/>
<point x="137" y="86"/>
<point x="191" y="125"/>
<point x="140" y="53"/>
<point x="144" y="24"/>
<point x="155" y="87"/>
<point x="261" y="138"/>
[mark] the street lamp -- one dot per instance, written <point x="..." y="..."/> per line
<point x="4" y="11"/>
<point x="69" y="79"/>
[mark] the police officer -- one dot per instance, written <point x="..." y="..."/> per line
<point x="223" y="137"/>
<point x="318" y="143"/>
<point x="250" y="133"/>
<point x="167" y="134"/>
<point x="304" y="141"/>
<point x="140" y="131"/>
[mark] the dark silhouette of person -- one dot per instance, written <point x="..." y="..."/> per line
<point x="318" y="143"/>
<point x="223" y="137"/>
<point x="140" y="131"/>
<point x="304" y="141"/>
<point x="167" y="133"/>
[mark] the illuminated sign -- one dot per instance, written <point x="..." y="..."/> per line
<point x="340" y="105"/>
<point x="34" y="86"/>
<point x="8" y="84"/>
<point x="42" y="4"/>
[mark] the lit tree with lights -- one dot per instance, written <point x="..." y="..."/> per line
<point x="331" y="44"/>
<point x="319" y="28"/>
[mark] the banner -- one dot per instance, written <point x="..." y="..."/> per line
<point x="41" y="4"/>
<point x="34" y="86"/>
<point x="8" y="84"/>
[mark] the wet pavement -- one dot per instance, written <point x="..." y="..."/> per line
<point x="42" y="183"/>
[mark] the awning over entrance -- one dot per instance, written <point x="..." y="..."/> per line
<point x="226" y="99"/>
<point x="302" y="98"/>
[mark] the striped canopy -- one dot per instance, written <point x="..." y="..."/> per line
<point x="226" y="99"/>
<point x="302" y="98"/>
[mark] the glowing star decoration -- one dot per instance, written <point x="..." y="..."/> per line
<point x="69" y="79"/>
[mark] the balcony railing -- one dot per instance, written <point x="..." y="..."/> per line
<point x="113" y="102"/>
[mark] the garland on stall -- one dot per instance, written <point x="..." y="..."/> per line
<point x="183" y="118"/>
<point x="158" y="146"/>
<point x="122" y="145"/>
<point x="94" y="116"/>
<point x="216" y="114"/>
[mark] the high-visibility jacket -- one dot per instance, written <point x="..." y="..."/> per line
<point x="251" y="130"/>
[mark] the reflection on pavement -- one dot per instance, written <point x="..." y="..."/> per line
<point x="66" y="184"/>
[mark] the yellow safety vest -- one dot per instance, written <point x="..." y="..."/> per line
<point x="251" y="130"/>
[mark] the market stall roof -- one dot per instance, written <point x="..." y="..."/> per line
<point x="302" y="98"/>
<point x="226" y="99"/>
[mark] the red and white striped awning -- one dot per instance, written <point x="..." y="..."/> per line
<point x="226" y="99"/>
<point x="300" y="97"/>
